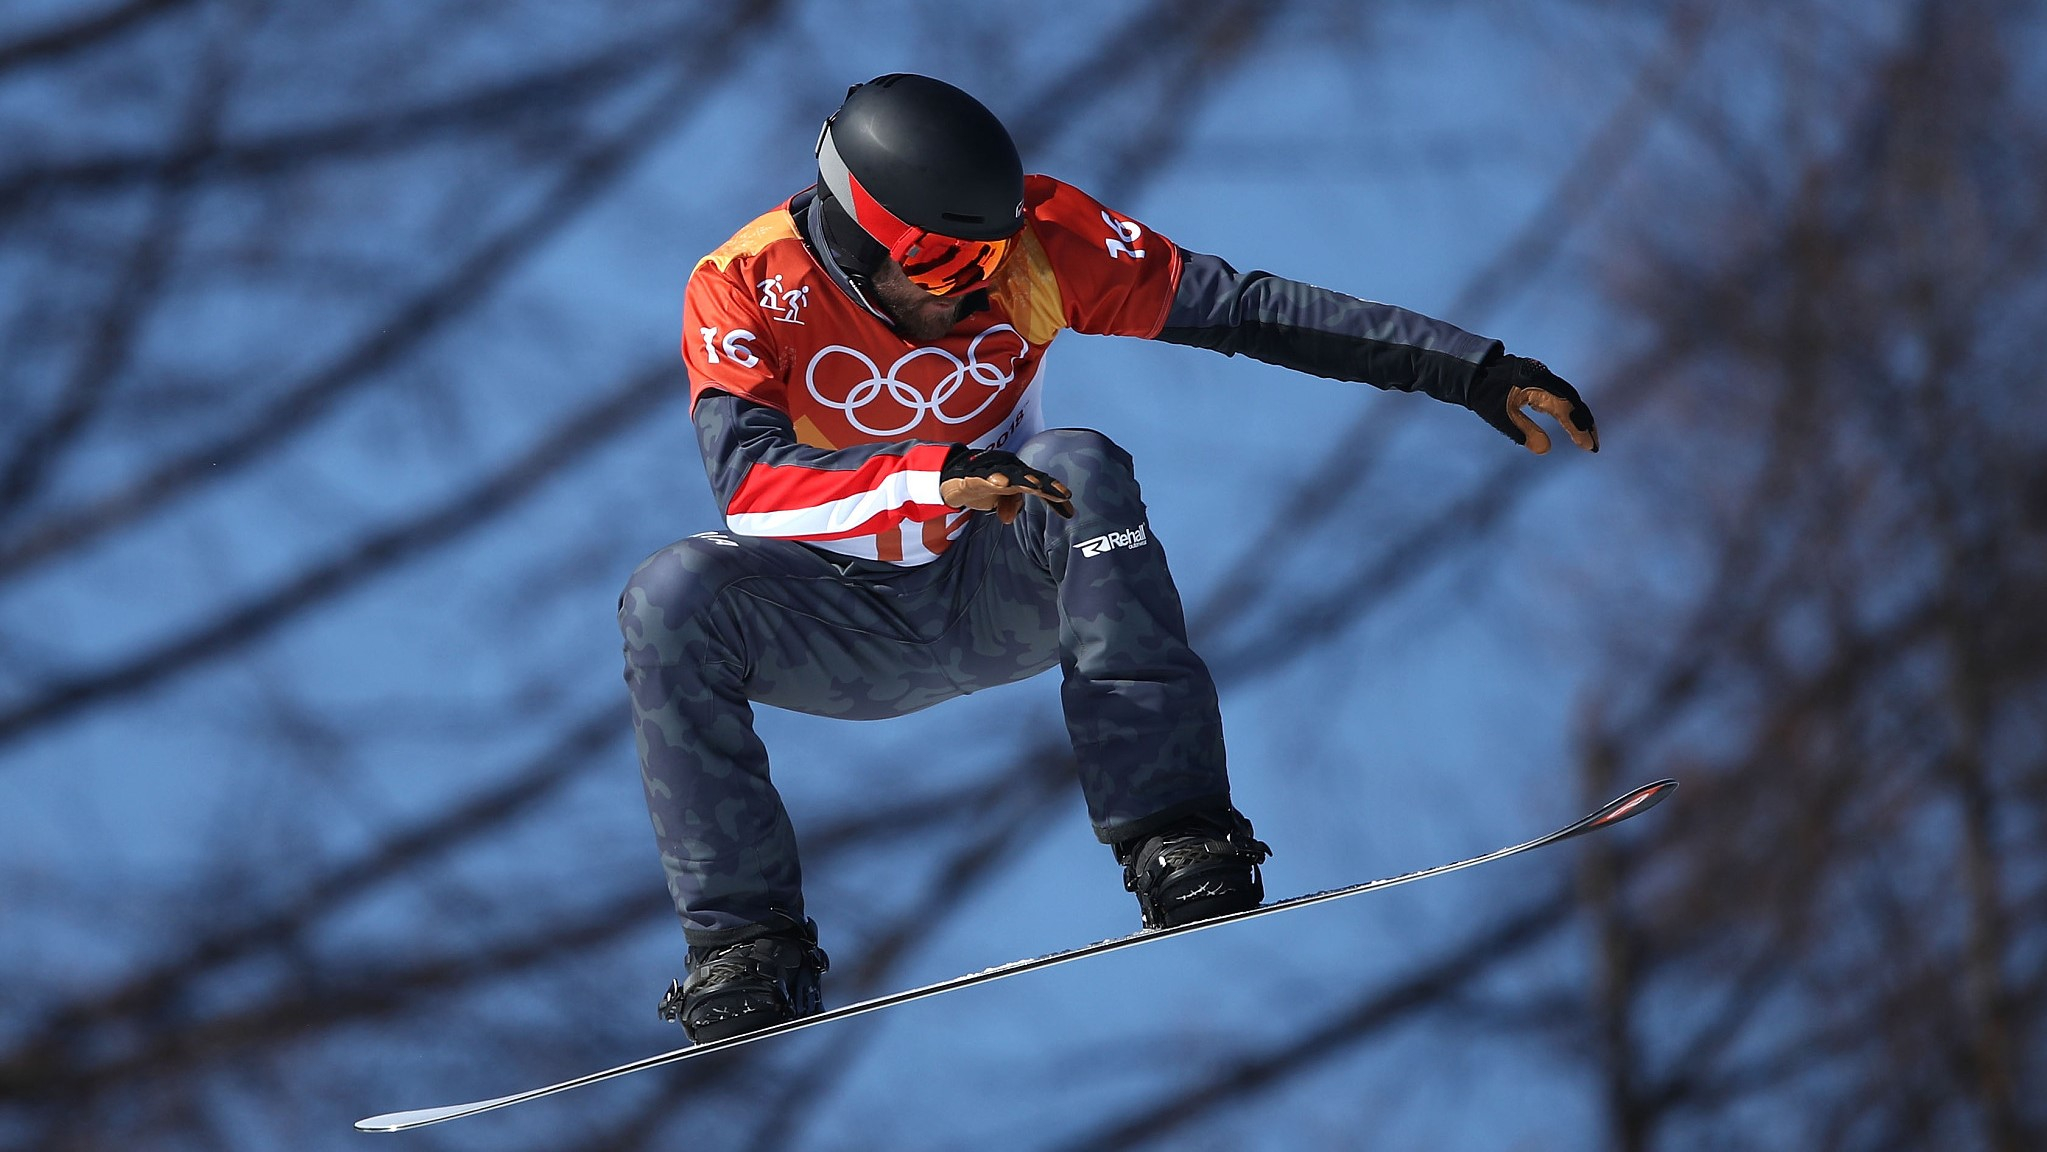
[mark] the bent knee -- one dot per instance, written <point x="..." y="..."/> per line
<point x="671" y="589"/>
<point x="1060" y="450"/>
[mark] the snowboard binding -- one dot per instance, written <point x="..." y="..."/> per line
<point x="733" y="989"/>
<point x="1202" y="866"/>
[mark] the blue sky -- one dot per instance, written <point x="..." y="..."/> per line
<point x="1431" y="732"/>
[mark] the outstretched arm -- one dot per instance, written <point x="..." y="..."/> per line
<point x="1325" y="333"/>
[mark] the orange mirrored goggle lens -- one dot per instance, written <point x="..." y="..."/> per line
<point x="945" y="266"/>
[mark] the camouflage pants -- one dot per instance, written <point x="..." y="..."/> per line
<point x="714" y="624"/>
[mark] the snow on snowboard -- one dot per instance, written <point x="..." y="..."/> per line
<point x="1639" y="800"/>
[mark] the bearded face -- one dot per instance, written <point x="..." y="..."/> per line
<point x="919" y="315"/>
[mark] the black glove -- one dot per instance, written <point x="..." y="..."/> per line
<point x="1510" y="383"/>
<point x="991" y="480"/>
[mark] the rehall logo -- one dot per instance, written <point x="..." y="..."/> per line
<point x="1128" y="538"/>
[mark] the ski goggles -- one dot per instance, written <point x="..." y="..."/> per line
<point x="939" y="264"/>
<point x="945" y="266"/>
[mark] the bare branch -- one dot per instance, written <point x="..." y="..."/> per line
<point x="586" y="176"/>
<point x="1428" y="986"/>
<point x="255" y="618"/>
<point x="84" y="33"/>
<point x="135" y="293"/>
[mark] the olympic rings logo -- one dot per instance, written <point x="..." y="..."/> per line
<point x="915" y="404"/>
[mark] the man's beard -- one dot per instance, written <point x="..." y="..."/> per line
<point x="918" y="315"/>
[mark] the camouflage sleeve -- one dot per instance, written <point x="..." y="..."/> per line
<point x="1324" y="333"/>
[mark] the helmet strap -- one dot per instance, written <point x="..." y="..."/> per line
<point x="854" y="283"/>
<point x="855" y="251"/>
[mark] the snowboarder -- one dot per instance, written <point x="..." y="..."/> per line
<point x="901" y="528"/>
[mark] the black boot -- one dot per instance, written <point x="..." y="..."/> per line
<point x="1202" y="866"/>
<point x="738" y="988"/>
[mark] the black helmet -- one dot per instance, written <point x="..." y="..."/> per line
<point x="907" y="159"/>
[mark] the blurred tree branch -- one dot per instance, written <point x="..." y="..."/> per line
<point x="54" y="43"/>
<point x="135" y="290"/>
<point x="588" y="173"/>
<point x="1830" y="400"/>
<point x="1428" y="986"/>
<point x="255" y="617"/>
<point x="1845" y="857"/>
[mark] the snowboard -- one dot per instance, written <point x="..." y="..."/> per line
<point x="1613" y="812"/>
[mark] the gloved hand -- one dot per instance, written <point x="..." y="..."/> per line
<point x="991" y="480"/>
<point x="1511" y="383"/>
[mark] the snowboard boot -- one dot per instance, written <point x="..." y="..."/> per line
<point x="1200" y="866"/>
<point x="733" y="989"/>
